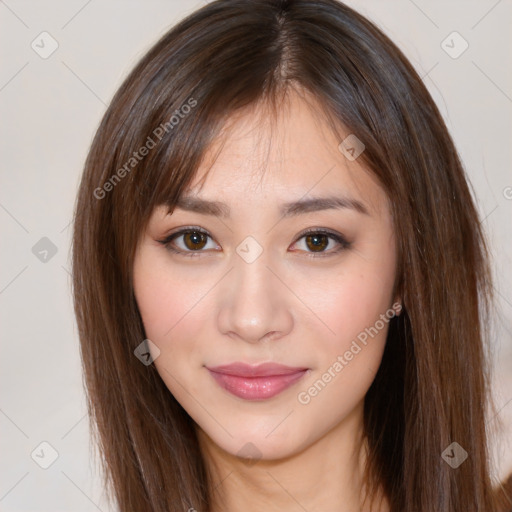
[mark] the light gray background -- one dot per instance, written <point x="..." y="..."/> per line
<point x="50" y="109"/>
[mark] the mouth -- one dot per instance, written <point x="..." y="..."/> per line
<point x="259" y="382"/>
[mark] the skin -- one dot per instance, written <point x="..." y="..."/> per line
<point x="286" y="306"/>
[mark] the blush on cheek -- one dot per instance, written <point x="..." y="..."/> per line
<point x="163" y="318"/>
<point x="354" y="307"/>
<point x="160" y="308"/>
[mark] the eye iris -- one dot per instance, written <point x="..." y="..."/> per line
<point x="319" y="242"/>
<point x="195" y="238"/>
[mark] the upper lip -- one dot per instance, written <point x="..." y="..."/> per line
<point x="260" y="370"/>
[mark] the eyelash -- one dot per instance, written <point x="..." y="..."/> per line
<point x="343" y="244"/>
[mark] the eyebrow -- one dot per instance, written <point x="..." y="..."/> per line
<point x="301" y="206"/>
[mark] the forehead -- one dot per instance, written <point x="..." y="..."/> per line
<point x="293" y="152"/>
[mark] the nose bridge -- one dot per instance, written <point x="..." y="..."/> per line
<point x="251" y="271"/>
<point x="253" y="303"/>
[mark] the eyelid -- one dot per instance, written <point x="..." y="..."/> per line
<point x="166" y="242"/>
<point x="342" y="241"/>
<point x="338" y="237"/>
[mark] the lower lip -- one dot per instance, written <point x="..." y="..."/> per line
<point x="256" y="388"/>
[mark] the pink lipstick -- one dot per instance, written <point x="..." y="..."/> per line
<point x="258" y="382"/>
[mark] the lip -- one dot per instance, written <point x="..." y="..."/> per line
<point x="259" y="382"/>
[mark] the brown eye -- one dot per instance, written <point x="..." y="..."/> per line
<point x="317" y="242"/>
<point x="189" y="242"/>
<point x="194" y="240"/>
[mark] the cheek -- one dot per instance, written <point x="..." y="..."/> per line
<point x="170" y="307"/>
<point x="159" y="309"/>
<point x="355" y="304"/>
<point x="166" y="301"/>
<point x="349" y="359"/>
<point x="353" y="300"/>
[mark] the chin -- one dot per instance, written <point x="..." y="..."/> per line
<point x="254" y="443"/>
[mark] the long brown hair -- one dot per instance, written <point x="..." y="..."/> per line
<point x="432" y="387"/>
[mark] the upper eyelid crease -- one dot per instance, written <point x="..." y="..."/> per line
<point x="301" y="206"/>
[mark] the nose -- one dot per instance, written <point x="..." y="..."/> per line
<point x="255" y="305"/>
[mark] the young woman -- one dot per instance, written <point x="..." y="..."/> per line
<point x="281" y="283"/>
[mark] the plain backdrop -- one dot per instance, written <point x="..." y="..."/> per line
<point x="50" y="108"/>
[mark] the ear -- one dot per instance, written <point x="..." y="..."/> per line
<point x="397" y="305"/>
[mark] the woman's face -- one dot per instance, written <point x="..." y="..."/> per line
<point x="248" y="286"/>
